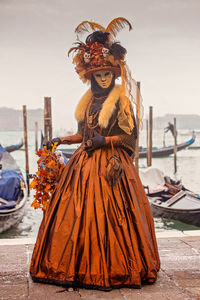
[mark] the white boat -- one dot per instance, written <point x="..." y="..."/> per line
<point x="170" y="199"/>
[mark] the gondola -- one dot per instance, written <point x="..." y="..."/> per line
<point x="13" y="194"/>
<point x="15" y="147"/>
<point x="184" y="207"/>
<point x="170" y="199"/>
<point x="166" y="151"/>
<point x="156" y="152"/>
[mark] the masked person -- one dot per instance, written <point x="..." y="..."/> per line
<point x="98" y="229"/>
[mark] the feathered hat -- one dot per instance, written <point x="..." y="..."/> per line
<point x="101" y="51"/>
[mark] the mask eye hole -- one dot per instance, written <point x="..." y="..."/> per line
<point x="107" y="74"/>
<point x="97" y="75"/>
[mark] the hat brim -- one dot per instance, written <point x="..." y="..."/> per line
<point x="116" y="70"/>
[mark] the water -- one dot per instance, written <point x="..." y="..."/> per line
<point x="188" y="163"/>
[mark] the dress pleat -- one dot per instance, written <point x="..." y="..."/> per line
<point x="94" y="234"/>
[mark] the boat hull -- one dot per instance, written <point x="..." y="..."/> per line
<point x="14" y="147"/>
<point x="9" y="218"/>
<point x="158" y="152"/>
<point x="166" y="151"/>
<point x="191" y="217"/>
<point x="12" y="215"/>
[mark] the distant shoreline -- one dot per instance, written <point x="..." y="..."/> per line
<point x="12" y="120"/>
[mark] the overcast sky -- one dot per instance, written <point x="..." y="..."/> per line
<point x="163" y="52"/>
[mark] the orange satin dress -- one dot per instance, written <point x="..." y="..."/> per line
<point x="93" y="234"/>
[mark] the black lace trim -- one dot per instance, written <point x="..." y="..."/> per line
<point x="77" y="284"/>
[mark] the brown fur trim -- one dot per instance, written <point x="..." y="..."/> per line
<point x="82" y="106"/>
<point x="107" y="108"/>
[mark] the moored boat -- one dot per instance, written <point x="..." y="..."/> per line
<point x="166" y="151"/>
<point x="15" y="147"/>
<point x="184" y="207"/>
<point x="170" y="199"/>
<point x="156" y="152"/>
<point x="12" y="192"/>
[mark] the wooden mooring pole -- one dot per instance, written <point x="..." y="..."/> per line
<point x="26" y="146"/>
<point x="147" y="137"/>
<point x="150" y="127"/>
<point x="47" y="120"/>
<point x="138" y="128"/>
<point x="175" y="147"/>
<point x="36" y="136"/>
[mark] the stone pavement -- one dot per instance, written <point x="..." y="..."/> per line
<point x="179" y="277"/>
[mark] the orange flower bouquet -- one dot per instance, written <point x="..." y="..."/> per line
<point x="50" y="167"/>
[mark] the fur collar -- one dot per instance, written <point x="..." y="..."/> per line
<point x="107" y="108"/>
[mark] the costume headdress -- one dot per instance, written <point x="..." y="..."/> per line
<point x="101" y="51"/>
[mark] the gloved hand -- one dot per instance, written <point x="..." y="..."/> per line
<point x="96" y="142"/>
<point x="50" y="144"/>
<point x="73" y="139"/>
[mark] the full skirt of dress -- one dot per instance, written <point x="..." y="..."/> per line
<point x="94" y="234"/>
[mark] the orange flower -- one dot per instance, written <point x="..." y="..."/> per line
<point x="44" y="153"/>
<point x="47" y="188"/>
<point x="38" y="152"/>
<point x="33" y="184"/>
<point x="51" y="164"/>
<point x="46" y="178"/>
<point x="35" y="204"/>
<point x="44" y="206"/>
<point x="54" y="147"/>
<point x="38" y="173"/>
